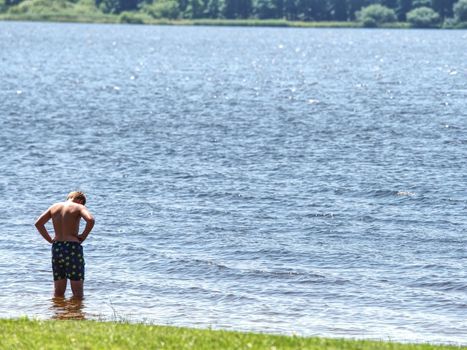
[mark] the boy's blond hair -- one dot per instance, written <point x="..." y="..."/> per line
<point x="77" y="195"/>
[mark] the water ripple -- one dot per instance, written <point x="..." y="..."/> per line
<point x="241" y="178"/>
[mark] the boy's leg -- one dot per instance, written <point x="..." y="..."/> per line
<point x="60" y="287"/>
<point x="77" y="288"/>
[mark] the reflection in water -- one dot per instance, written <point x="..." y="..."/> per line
<point x="67" y="309"/>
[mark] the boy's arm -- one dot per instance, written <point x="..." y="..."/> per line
<point x="40" y="225"/>
<point x="87" y="216"/>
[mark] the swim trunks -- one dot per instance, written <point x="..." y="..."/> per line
<point x="67" y="261"/>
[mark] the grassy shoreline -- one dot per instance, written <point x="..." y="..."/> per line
<point x="143" y="19"/>
<point x="31" y="334"/>
<point x="137" y="18"/>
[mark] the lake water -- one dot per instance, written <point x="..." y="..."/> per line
<point x="307" y="181"/>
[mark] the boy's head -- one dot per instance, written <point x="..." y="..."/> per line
<point x="77" y="196"/>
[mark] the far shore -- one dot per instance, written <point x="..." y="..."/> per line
<point x="136" y="18"/>
<point x="139" y="18"/>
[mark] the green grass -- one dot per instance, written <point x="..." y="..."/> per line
<point x="29" y="334"/>
<point x="60" y="17"/>
<point x="97" y="17"/>
<point x="141" y="18"/>
<point x="69" y="15"/>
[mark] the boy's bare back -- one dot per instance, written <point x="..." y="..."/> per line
<point x="65" y="218"/>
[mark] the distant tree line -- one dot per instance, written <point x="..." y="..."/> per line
<point x="304" y="10"/>
<point x="371" y="13"/>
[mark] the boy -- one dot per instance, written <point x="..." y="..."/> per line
<point x="67" y="252"/>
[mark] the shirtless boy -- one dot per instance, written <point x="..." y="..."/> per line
<point x="67" y="252"/>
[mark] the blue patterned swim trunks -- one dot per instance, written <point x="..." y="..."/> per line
<point x="68" y="261"/>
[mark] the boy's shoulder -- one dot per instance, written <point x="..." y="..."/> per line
<point x="56" y="206"/>
<point x="67" y="206"/>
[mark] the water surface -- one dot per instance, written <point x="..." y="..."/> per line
<point x="307" y="181"/>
